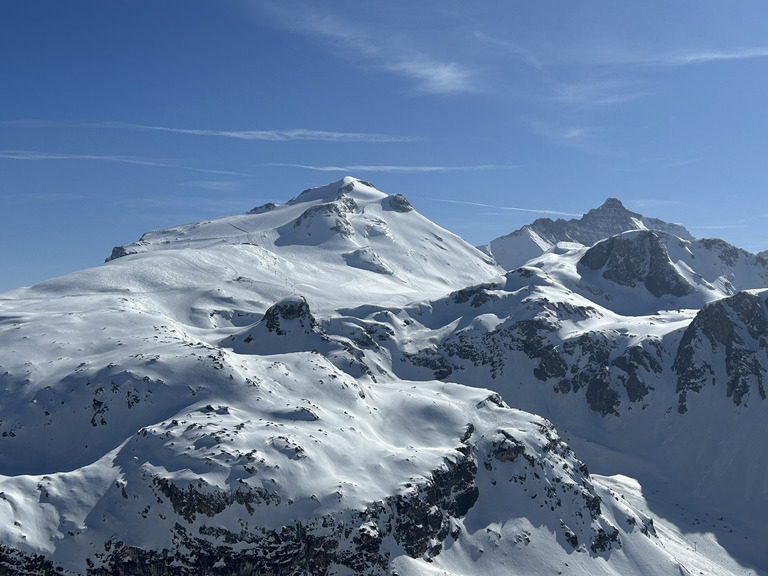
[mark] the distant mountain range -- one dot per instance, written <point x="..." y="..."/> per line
<point x="608" y="220"/>
<point x="336" y="385"/>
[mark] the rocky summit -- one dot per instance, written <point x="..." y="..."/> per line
<point x="336" y="385"/>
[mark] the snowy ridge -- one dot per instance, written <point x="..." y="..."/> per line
<point x="611" y="218"/>
<point x="359" y="230"/>
<point x="324" y="387"/>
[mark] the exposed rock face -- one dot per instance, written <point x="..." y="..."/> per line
<point x="605" y="369"/>
<point x="331" y="216"/>
<point x="478" y="295"/>
<point x="726" y="345"/>
<point x="292" y="311"/>
<point x="598" y="224"/>
<point x="418" y="520"/>
<point x="609" y="219"/>
<point x="398" y="203"/>
<point x="223" y="530"/>
<point x="18" y="563"/>
<point x="119" y="252"/>
<point x="263" y="208"/>
<point x="550" y="483"/>
<point x="637" y="258"/>
<point x="287" y="326"/>
<point x="731" y="255"/>
<point x="635" y="362"/>
<point x="543" y="475"/>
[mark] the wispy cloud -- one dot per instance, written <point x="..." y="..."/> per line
<point x="596" y="93"/>
<point x="655" y="164"/>
<point x="706" y="56"/>
<point x="674" y="59"/>
<point x="619" y="55"/>
<point x="515" y="50"/>
<point x="735" y="225"/>
<point x="569" y="135"/>
<point x="366" y="46"/>
<point x="44" y="197"/>
<point x="33" y="155"/>
<point x="30" y="155"/>
<point x="394" y="168"/>
<point x="506" y="208"/>
<point x="715" y="56"/>
<point x="216" y="185"/>
<point x="274" y="135"/>
<point x="573" y="133"/>
<point x="268" y="135"/>
<point x="584" y="138"/>
<point x="433" y="76"/>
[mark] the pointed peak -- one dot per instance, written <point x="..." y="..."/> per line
<point x="612" y="204"/>
<point x="612" y="208"/>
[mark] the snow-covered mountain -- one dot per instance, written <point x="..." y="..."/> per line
<point x="336" y="385"/>
<point x="375" y="247"/>
<point x="611" y="218"/>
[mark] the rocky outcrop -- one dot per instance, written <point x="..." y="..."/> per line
<point x="634" y="259"/>
<point x="332" y="214"/>
<point x="293" y="310"/>
<point x="726" y="346"/>
<point x="419" y="521"/>
<point x="535" y="468"/>
<point x="555" y="481"/>
<point x="263" y="208"/>
<point x="119" y="252"/>
<point x="478" y="295"/>
<point x="602" y="367"/>
<point x="17" y="563"/>
<point x="636" y="362"/>
<point x="398" y="203"/>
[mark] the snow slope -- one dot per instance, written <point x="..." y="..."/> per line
<point x="636" y="395"/>
<point x="311" y="388"/>
<point x="344" y="231"/>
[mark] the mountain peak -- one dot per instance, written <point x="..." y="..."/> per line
<point x="613" y="210"/>
<point x="347" y="186"/>
<point x="316" y="388"/>
<point x="349" y="229"/>
<point x="612" y="204"/>
<point x="611" y="218"/>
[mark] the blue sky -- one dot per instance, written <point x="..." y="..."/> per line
<point x="121" y="117"/>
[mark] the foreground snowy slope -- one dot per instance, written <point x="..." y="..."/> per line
<point x="674" y="398"/>
<point x="309" y="388"/>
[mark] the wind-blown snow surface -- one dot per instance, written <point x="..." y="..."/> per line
<point x="272" y="393"/>
<point x="335" y="235"/>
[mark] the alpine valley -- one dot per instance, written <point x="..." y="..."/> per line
<point x="338" y="386"/>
